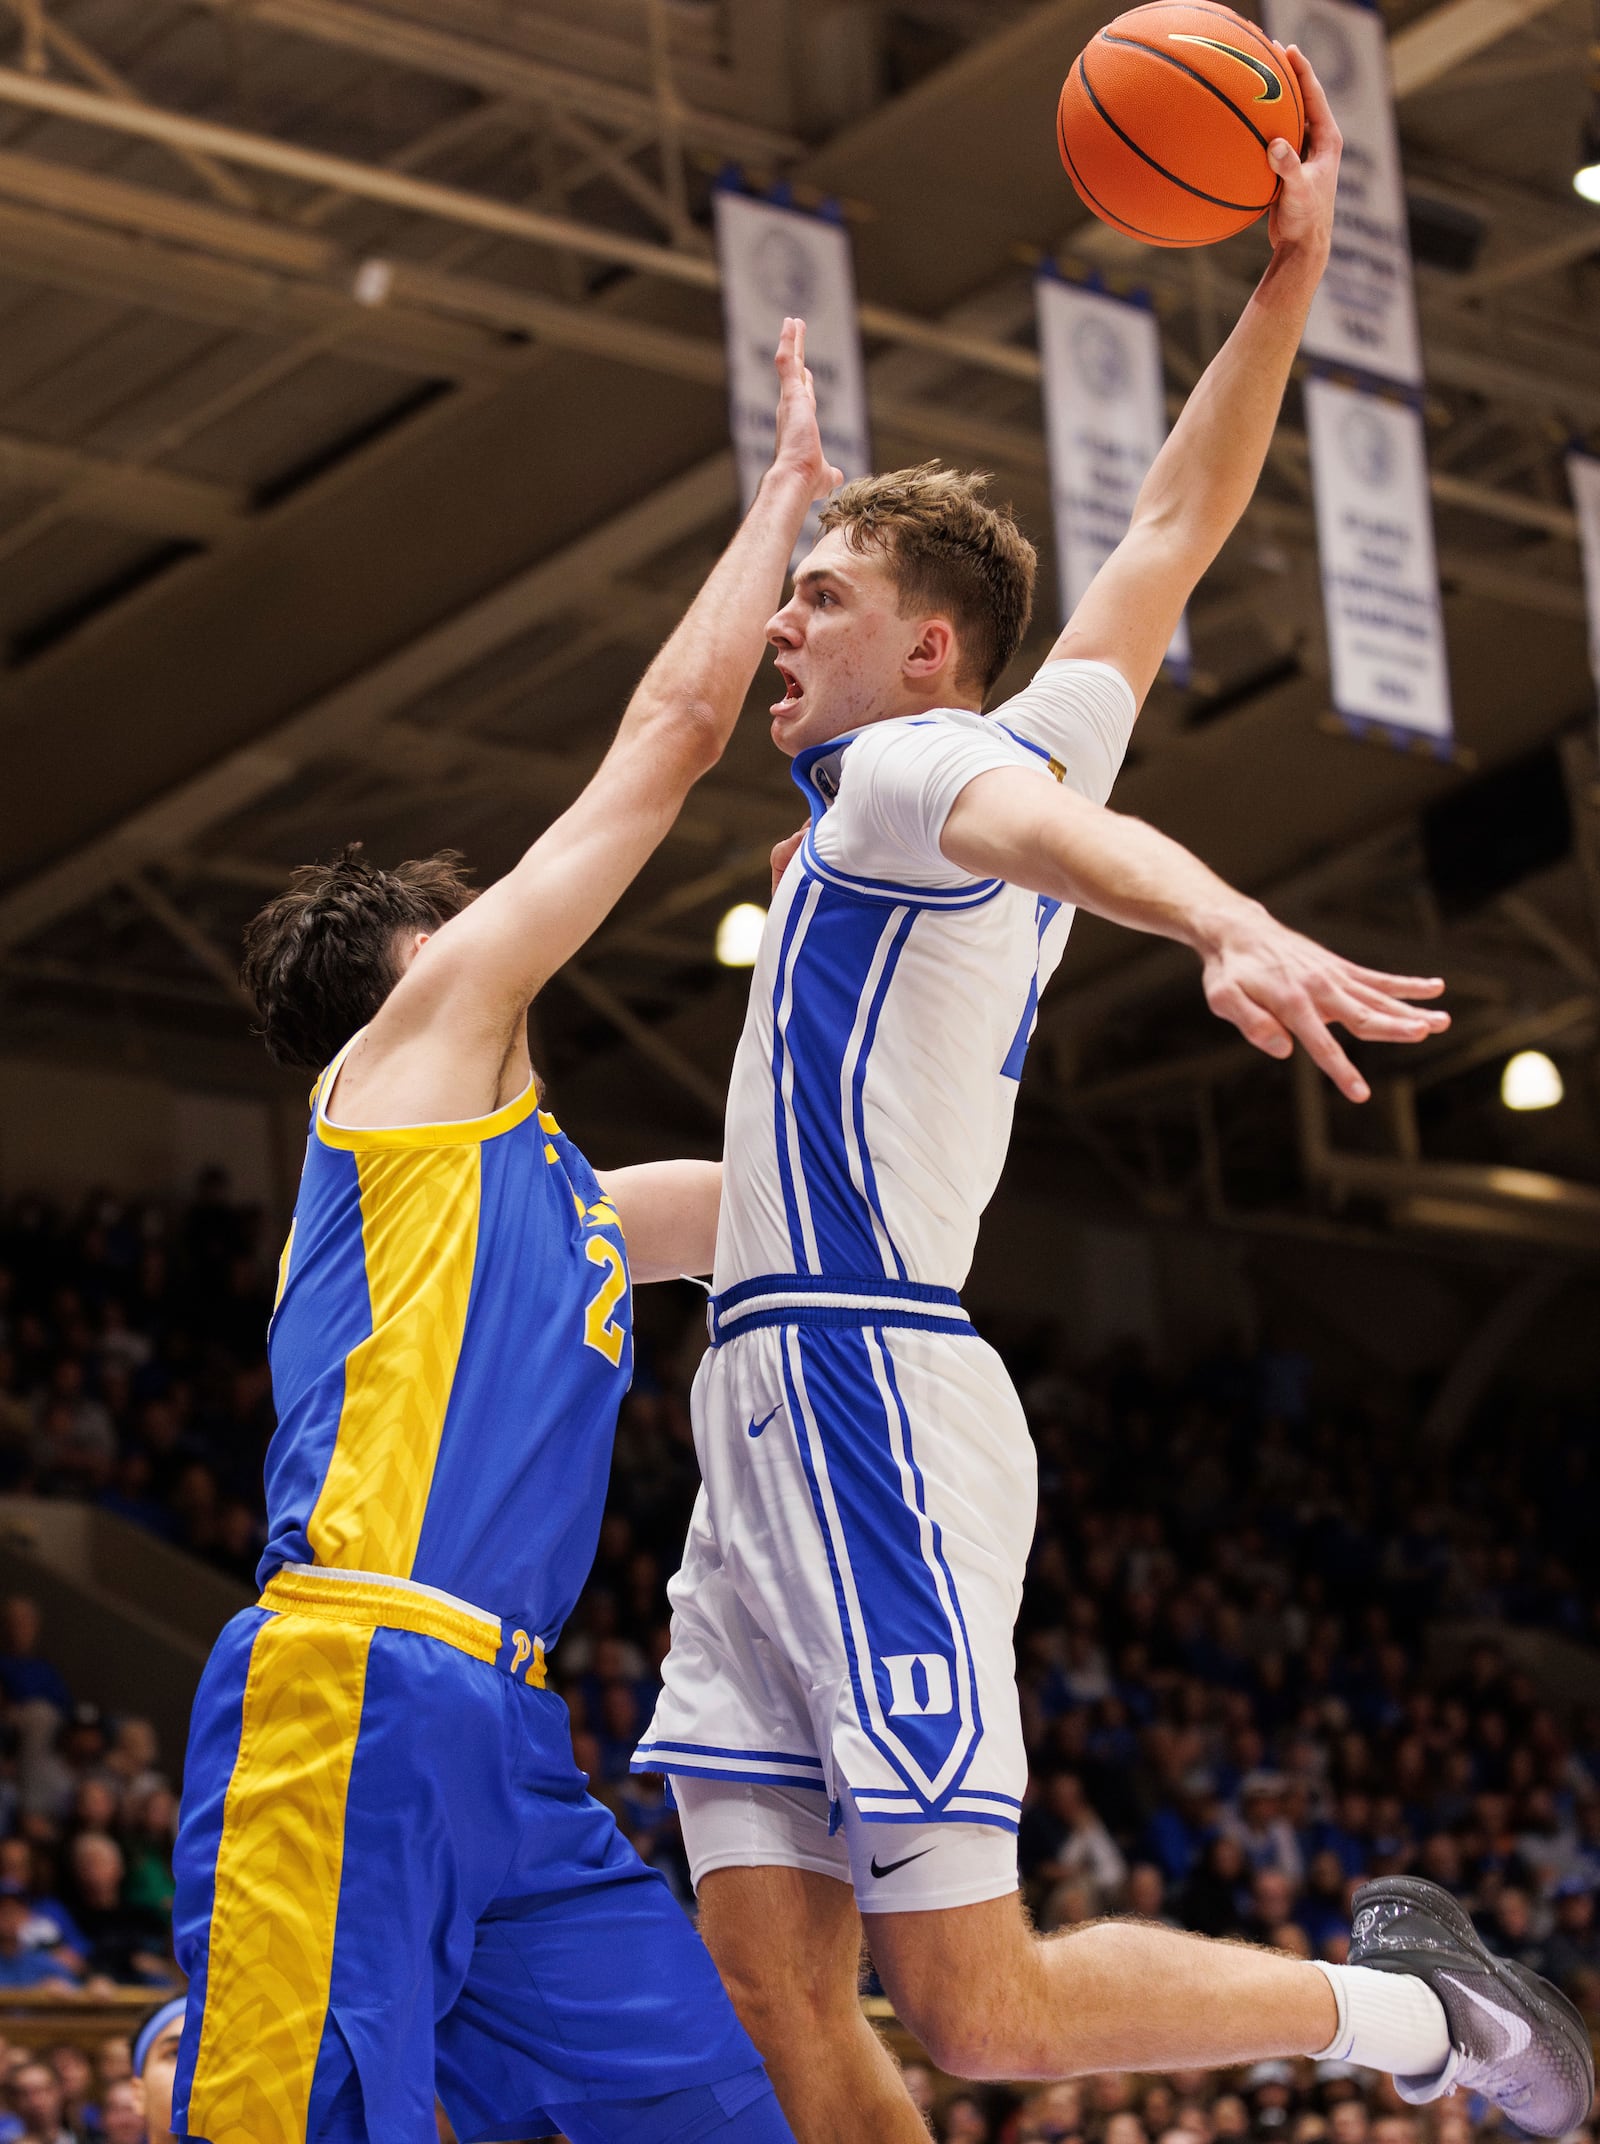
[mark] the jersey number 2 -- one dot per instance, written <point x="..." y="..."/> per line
<point x="598" y="1330"/>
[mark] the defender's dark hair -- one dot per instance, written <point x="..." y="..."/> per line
<point x="321" y="958"/>
<point x="947" y="549"/>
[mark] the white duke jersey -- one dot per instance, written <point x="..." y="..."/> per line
<point x="894" y="997"/>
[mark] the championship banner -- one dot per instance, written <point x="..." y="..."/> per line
<point x="1583" y="474"/>
<point x="1380" y="580"/>
<point x="1365" y="314"/>
<point x="1105" y="419"/>
<point x="776" y="262"/>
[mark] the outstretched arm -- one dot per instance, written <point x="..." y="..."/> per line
<point x="1204" y="476"/>
<point x="1272" y="983"/>
<point x="668" y="1211"/>
<point x="448" y="1040"/>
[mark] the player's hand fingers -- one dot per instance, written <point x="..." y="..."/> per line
<point x="1431" y="1019"/>
<point x="1321" y="127"/>
<point x="799" y="327"/>
<point x="1303" y="1020"/>
<point x="1395" y="986"/>
<point x="1376" y="1023"/>
<point x="1253" y="1021"/>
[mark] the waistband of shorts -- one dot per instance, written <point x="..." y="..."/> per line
<point x="371" y="1600"/>
<point x="831" y="1299"/>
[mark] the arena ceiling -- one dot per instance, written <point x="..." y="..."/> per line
<point x="362" y="431"/>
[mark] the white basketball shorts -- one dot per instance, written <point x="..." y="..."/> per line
<point x="842" y="1623"/>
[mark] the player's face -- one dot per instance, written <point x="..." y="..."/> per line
<point x="160" y="2065"/>
<point x="840" y="645"/>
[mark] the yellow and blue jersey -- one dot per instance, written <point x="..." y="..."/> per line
<point x="391" y="1879"/>
<point x="451" y="1341"/>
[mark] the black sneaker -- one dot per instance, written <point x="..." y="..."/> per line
<point x="1513" y="2037"/>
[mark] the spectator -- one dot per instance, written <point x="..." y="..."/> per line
<point x="1509" y="1932"/>
<point x="127" y="1944"/>
<point x="48" y="1926"/>
<point x="1147" y="1895"/>
<point x="963" y="2121"/>
<point x="26" y="1678"/>
<point x="20" y="1966"/>
<point x="74" y="2073"/>
<point x="1211" y="1903"/>
<point x="35" y="2098"/>
<point x="1572" y="1956"/>
<point x="121" y="2115"/>
<point x="1063" y="1841"/>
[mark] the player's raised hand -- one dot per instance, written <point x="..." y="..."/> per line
<point x="1302" y="215"/>
<point x="799" y="445"/>
<point x="1278" y="987"/>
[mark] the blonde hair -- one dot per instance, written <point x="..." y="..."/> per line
<point x="948" y="550"/>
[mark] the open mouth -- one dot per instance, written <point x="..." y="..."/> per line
<point x="793" y="692"/>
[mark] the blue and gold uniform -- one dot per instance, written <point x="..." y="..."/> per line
<point x="390" y="1875"/>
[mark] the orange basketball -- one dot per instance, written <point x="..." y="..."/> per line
<point x="1165" y="119"/>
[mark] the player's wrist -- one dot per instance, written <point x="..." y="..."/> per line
<point x="1298" y="263"/>
<point x="790" y="483"/>
<point x="1224" y="925"/>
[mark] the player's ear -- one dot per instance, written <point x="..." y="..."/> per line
<point x="932" y="650"/>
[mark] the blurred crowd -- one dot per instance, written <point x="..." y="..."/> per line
<point x="133" y="1363"/>
<point x="1231" y="1706"/>
<point x="1269" y="2103"/>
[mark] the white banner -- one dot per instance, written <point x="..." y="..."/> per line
<point x="1105" y="418"/>
<point x="1380" y="580"/>
<point x="1365" y="314"/>
<point x="776" y="261"/>
<point x="1583" y="474"/>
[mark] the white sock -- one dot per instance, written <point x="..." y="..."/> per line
<point x="1387" y="2021"/>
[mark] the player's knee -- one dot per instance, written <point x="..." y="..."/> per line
<point x="965" y="1989"/>
<point x="783" y="2001"/>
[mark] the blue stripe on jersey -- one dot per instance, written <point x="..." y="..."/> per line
<point x="323" y="1316"/>
<point x="782" y="991"/>
<point x="973" y="894"/>
<point x="898" y="933"/>
<point x="1044" y="915"/>
<point x="833" y="967"/>
<point x="895" y="1592"/>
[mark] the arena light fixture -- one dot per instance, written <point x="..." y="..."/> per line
<point x="1530" y="1081"/>
<point x="739" y="935"/>
<point x="1586" y="179"/>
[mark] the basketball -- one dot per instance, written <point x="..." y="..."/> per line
<point x="1166" y="117"/>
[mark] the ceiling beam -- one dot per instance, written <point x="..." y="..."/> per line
<point x="365" y="182"/>
<point x="654" y="1048"/>
<point x="122" y="494"/>
<point x="1427" y="49"/>
<point x="217" y="180"/>
<point x="500" y="72"/>
<point x="340" y="720"/>
<point x="453" y="204"/>
<point x="67" y="255"/>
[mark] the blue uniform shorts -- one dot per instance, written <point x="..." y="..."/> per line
<point x="391" y="1880"/>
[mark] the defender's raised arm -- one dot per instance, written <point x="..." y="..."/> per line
<point x="446" y="1040"/>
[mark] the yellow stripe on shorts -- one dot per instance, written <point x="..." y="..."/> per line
<point x="277" y="1883"/>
